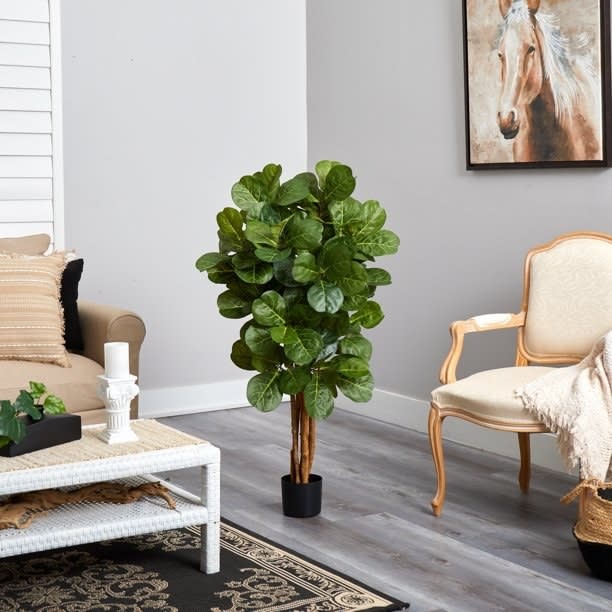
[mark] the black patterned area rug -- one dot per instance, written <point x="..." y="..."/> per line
<point x="161" y="572"/>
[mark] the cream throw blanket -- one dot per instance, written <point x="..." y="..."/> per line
<point x="575" y="402"/>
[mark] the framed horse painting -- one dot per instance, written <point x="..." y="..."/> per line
<point x="537" y="83"/>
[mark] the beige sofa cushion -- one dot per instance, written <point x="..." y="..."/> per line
<point x="75" y="385"/>
<point x="31" y="316"/>
<point x="35" y="244"/>
<point x="490" y="393"/>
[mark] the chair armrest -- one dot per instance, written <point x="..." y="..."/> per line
<point x="102" y="323"/>
<point x="480" y="323"/>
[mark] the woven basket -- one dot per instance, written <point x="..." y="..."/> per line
<point x="593" y="530"/>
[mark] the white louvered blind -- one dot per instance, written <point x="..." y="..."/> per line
<point x="31" y="168"/>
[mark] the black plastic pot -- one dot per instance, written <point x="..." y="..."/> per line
<point x="51" y="430"/>
<point x="302" y="500"/>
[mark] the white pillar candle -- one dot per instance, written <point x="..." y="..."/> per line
<point x="116" y="359"/>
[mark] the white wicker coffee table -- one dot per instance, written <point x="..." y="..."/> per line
<point x="159" y="448"/>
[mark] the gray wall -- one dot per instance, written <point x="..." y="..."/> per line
<point x="166" y="105"/>
<point x="385" y="95"/>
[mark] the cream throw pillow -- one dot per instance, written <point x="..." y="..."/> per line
<point x="31" y="316"/>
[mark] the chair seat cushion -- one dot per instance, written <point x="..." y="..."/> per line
<point x="490" y="394"/>
<point x="75" y="385"/>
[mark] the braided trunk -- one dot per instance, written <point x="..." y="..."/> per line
<point x="303" y="440"/>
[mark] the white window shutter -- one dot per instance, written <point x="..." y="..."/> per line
<point x="31" y="148"/>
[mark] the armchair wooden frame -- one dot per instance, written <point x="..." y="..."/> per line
<point x="524" y="357"/>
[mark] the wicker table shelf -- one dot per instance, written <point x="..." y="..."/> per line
<point x="89" y="460"/>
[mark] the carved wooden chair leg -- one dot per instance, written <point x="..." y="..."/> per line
<point x="525" y="470"/>
<point x="435" y="440"/>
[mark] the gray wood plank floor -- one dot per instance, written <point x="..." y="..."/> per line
<point x="493" y="548"/>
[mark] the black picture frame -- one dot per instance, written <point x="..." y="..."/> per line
<point x="493" y="124"/>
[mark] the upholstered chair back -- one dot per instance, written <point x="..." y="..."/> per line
<point x="568" y="298"/>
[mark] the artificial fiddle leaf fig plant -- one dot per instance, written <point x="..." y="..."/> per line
<point x="297" y="258"/>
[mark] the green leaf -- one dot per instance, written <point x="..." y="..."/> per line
<point x="344" y="213"/>
<point x="372" y="218"/>
<point x="25" y="404"/>
<point x="354" y="302"/>
<point x="369" y="315"/>
<point x="294" y="295"/>
<point x="10" y="426"/>
<point x="356" y="344"/>
<point x="223" y="273"/>
<point x="210" y="260"/>
<point x="283" y="273"/>
<point x="351" y="367"/>
<point x="257" y="274"/>
<point x="378" y="276"/>
<point x="305" y="349"/>
<point x="293" y="380"/>
<point x="303" y="234"/>
<point x="294" y="190"/>
<point x="233" y="306"/>
<point x="325" y="297"/>
<point x="270" y="309"/>
<point x="335" y="259"/>
<point x="358" y="390"/>
<point x="355" y="280"/>
<point x="339" y="183"/>
<point x="384" y="242"/>
<point x="54" y="405"/>
<point x="302" y="315"/>
<point x="318" y="399"/>
<point x="4" y="440"/>
<point x="305" y="268"/>
<point x="263" y="391"/>
<point x="241" y="355"/>
<point x="270" y="178"/>
<point x="37" y="389"/>
<point x="283" y="334"/>
<point x="261" y="234"/>
<point x="246" y="192"/>
<point x="229" y="221"/>
<point x="271" y="254"/>
<point x="260" y="342"/>
<point x="271" y="361"/>
<point x="322" y="169"/>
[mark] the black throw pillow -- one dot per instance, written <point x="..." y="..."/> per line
<point x="73" y="338"/>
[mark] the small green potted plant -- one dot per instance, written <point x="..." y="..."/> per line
<point x="297" y="259"/>
<point x="24" y="426"/>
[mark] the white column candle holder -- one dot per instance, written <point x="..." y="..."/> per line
<point x="117" y="394"/>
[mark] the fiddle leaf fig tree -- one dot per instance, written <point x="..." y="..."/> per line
<point x="297" y="258"/>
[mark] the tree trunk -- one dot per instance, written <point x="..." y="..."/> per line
<point x="303" y="434"/>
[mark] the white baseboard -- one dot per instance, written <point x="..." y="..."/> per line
<point x="385" y="406"/>
<point x="172" y="401"/>
<point x="413" y="413"/>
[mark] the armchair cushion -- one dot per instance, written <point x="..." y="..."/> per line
<point x="36" y="244"/>
<point x="490" y="394"/>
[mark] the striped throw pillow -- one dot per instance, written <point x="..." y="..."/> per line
<point x="31" y="316"/>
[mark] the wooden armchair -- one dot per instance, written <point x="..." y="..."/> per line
<point x="566" y="307"/>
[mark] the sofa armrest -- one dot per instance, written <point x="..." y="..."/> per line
<point x="101" y="323"/>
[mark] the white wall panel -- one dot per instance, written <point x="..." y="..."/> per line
<point x="25" y="144"/>
<point x="25" y="122"/>
<point x="26" y="189"/>
<point x="24" y="32"/>
<point x="23" y="229"/>
<point x="25" y="99"/>
<point x="23" y="166"/>
<point x="25" y="77"/>
<point x="15" y="211"/>
<point x="25" y="10"/>
<point x="24" y="55"/>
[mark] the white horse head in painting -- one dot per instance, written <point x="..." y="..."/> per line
<point x="547" y="105"/>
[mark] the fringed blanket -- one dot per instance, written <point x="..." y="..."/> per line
<point x="575" y="402"/>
